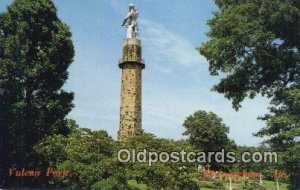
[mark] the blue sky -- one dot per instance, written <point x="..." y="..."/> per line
<point x="176" y="81"/>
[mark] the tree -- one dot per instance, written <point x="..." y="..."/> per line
<point x="170" y="175"/>
<point x="90" y="158"/>
<point x="255" y="44"/>
<point x="207" y="132"/>
<point x="283" y="122"/>
<point x="266" y="168"/>
<point x="283" y="127"/>
<point x="35" y="52"/>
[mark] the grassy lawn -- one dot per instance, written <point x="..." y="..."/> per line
<point x="272" y="185"/>
<point x="205" y="185"/>
<point x="269" y="184"/>
<point x="133" y="183"/>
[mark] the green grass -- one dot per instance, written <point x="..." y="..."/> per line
<point x="133" y="183"/>
<point x="269" y="184"/>
<point x="272" y="185"/>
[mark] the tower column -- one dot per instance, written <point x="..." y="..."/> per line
<point x="131" y="64"/>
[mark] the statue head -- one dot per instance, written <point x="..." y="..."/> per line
<point x="131" y="7"/>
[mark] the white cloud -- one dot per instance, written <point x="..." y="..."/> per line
<point x="170" y="47"/>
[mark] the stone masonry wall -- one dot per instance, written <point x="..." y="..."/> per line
<point x="131" y="90"/>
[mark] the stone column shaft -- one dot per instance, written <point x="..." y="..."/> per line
<point x="131" y="90"/>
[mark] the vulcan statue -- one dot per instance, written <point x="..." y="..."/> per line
<point x="130" y="22"/>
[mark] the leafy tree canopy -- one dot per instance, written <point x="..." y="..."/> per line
<point x="207" y="132"/>
<point x="35" y="52"/>
<point x="283" y="127"/>
<point x="88" y="155"/>
<point x="256" y="45"/>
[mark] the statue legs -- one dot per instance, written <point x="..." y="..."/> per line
<point x="130" y="31"/>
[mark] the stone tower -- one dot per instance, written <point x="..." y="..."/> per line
<point x="131" y="64"/>
<point x="131" y="89"/>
